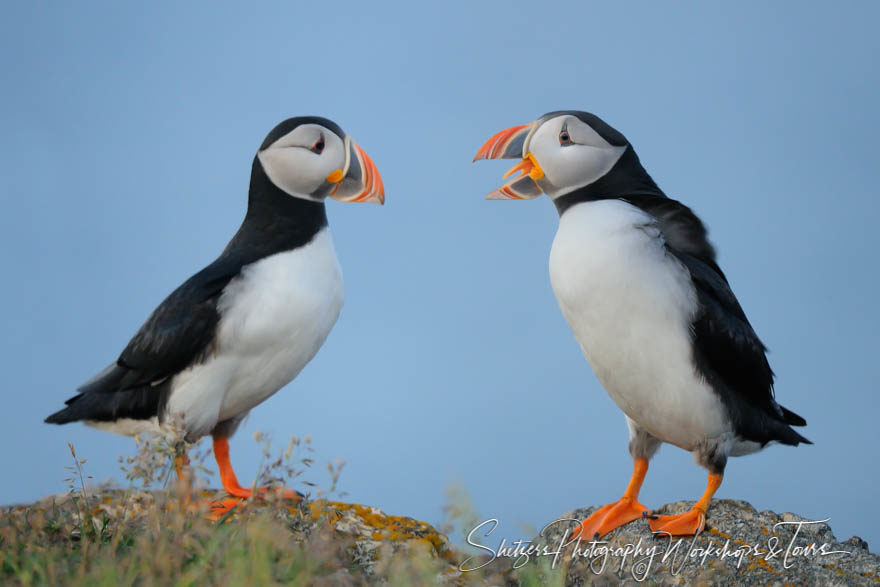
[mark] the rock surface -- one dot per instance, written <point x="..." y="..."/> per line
<point x="740" y="546"/>
<point x="365" y="544"/>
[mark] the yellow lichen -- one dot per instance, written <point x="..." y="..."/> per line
<point x="382" y="526"/>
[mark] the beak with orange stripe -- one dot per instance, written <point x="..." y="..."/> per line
<point x="512" y="143"/>
<point x="358" y="180"/>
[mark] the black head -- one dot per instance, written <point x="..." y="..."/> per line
<point x="568" y="151"/>
<point x="311" y="157"/>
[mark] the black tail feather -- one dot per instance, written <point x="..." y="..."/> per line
<point x="794" y="438"/>
<point x="783" y="431"/>
<point x="791" y="418"/>
<point x="141" y="403"/>
<point x="65" y="415"/>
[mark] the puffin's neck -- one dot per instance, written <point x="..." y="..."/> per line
<point x="275" y="220"/>
<point x="626" y="178"/>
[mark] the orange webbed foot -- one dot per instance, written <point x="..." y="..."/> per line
<point x="609" y="517"/>
<point x="624" y="510"/>
<point x="689" y="523"/>
<point x="230" y="481"/>
<point x="285" y="494"/>
<point x="264" y="492"/>
<point x="217" y="508"/>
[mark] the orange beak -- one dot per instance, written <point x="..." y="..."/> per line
<point x="510" y="144"/>
<point x="529" y="167"/>
<point x="507" y="144"/>
<point x="360" y="180"/>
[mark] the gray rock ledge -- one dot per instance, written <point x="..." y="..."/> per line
<point x="740" y="546"/>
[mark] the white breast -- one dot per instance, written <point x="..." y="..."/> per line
<point x="274" y="318"/>
<point x="630" y="306"/>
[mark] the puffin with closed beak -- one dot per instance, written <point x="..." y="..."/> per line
<point x="638" y="283"/>
<point x="243" y="327"/>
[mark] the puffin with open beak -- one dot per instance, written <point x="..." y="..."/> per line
<point x="243" y="327"/>
<point x="638" y="282"/>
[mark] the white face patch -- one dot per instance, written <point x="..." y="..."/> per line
<point x="299" y="162"/>
<point x="573" y="163"/>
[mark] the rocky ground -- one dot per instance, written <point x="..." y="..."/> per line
<point x="336" y="543"/>
<point x="740" y="546"/>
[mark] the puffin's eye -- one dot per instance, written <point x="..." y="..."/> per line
<point x="318" y="147"/>
<point x="565" y="138"/>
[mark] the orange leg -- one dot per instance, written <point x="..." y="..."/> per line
<point x="621" y="512"/>
<point x="217" y="507"/>
<point x="690" y="522"/>
<point x="181" y="461"/>
<point x="230" y="481"/>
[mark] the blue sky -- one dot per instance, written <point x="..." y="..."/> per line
<point x="124" y="161"/>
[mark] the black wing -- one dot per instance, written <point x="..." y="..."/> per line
<point x="177" y="334"/>
<point x="728" y="352"/>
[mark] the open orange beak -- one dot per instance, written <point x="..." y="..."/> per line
<point x="511" y="144"/>
<point x="359" y="180"/>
